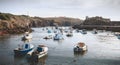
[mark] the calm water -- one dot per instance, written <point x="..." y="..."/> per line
<point x="103" y="49"/>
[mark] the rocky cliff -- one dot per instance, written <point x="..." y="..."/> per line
<point x="20" y="23"/>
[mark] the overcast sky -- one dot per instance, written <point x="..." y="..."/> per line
<point x="69" y="8"/>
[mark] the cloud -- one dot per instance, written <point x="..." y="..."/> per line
<point x="108" y="8"/>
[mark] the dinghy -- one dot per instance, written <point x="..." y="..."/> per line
<point x="80" y="47"/>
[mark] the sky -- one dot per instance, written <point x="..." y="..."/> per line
<point x="65" y="8"/>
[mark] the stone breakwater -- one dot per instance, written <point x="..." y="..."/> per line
<point x="100" y="27"/>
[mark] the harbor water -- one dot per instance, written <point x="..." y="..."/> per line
<point x="103" y="49"/>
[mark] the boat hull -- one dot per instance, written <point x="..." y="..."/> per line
<point x="69" y="35"/>
<point x="36" y="54"/>
<point x="41" y="55"/>
<point x="22" y="52"/>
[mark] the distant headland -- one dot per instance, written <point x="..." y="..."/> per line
<point x="16" y="24"/>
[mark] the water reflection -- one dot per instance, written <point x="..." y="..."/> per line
<point x="40" y="61"/>
<point x="61" y="52"/>
<point x="27" y="40"/>
<point x="82" y="53"/>
<point x="20" y="60"/>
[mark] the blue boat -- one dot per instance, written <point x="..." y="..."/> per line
<point x="58" y="36"/>
<point x="118" y="36"/>
<point x="23" y="49"/>
<point x="84" y="31"/>
<point x="49" y="31"/>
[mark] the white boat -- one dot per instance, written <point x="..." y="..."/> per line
<point x="27" y="36"/>
<point x="80" y="47"/>
<point x="58" y="36"/>
<point x="48" y="37"/>
<point x="69" y="34"/>
<point x="41" y="51"/>
<point x="23" y="49"/>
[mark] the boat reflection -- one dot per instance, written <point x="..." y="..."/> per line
<point x="40" y="61"/>
<point x="19" y="60"/>
<point x="27" y="40"/>
<point x="76" y="54"/>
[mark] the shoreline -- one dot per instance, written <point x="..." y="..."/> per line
<point x="14" y="31"/>
<point x="99" y="27"/>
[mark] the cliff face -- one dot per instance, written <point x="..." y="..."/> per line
<point x="9" y="21"/>
<point x="20" y="23"/>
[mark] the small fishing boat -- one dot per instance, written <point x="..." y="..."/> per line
<point x="94" y="31"/>
<point x="48" y="37"/>
<point x="69" y="34"/>
<point x="27" y="36"/>
<point x="41" y="51"/>
<point x="23" y="49"/>
<point x="118" y="37"/>
<point x="55" y="31"/>
<point x="58" y="36"/>
<point x="84" y="31"/>
<point x="117" y="34"/>
<point x="49" y="31"/>
<point x="77" y="30"/>
<point x="80" y="47"/>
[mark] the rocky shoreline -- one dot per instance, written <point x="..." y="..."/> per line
<point x="100" y="23"/>
<point x="91" y="27"/>
<point x="17" y="24"/>
<point x="15" y="31"/>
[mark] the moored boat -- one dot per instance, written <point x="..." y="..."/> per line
<point x="49" y="31"/>
<point x="41" y="51"/>
<point x="84" y="31"/>
<point x="27" y="36"/>
<point x="58" y="36"/>
<point x="69" y="34"/>
<point x="80" y="47"/>
<point x="48" y="37"/>
<point x="94" y="31"/>
<point x="117" y="34"/>
<point x="23" y="49"/>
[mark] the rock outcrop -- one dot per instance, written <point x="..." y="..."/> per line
<point x="14" y="24"/>
<point x="96" y="21"/>
<point x="99" y="23"/>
